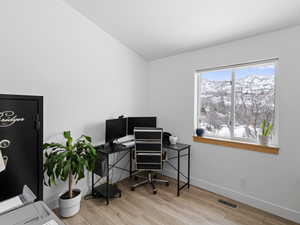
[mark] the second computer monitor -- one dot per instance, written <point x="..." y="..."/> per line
<point x="115" y="128"/>
<point x="140" y="122"/>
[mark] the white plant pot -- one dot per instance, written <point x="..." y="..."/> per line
<point x="69" y="207"/>
<point x="263" y="140"/>
<point x="173" y="140"/>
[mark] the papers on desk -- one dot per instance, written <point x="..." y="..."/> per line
<point x="10" y="204"/>
<point x="128" y="144"/>
<point x="127" y="138"/>
<point x="126" y="141"/>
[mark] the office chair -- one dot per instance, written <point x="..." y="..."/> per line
<point x="148" y="155"/>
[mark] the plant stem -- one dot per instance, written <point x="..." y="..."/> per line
<point x="70" y="185"/>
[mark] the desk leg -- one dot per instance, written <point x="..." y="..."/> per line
<point x="107" y="181"/>
<point x="189" y="166"/>
<point x="130" y="164"/>
<point x="178" y="173"/>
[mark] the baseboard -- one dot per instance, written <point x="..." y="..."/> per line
<point x="270" y="207"/>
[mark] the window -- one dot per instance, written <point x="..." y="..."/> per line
<point x="231" y="102"/>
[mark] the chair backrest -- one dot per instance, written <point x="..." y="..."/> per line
<point x="148" y="148"/>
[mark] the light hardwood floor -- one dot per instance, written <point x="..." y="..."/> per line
<point x="195" y="206"/>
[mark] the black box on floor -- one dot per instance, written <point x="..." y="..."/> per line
<point x="100" y="191"/>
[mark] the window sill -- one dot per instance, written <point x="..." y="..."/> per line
<point x="236" y="144"/>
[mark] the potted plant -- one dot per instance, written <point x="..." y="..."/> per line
<point x="266" y="129"/>
<point x="69" y="161"/>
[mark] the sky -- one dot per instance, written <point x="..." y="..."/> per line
<point x="240" y="73"/>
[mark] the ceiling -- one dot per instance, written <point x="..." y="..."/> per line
<point x="160" y="28"/>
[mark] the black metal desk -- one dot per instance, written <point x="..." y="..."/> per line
<point x="108" y="150"/>
<point x="179" y="147"/>
<point x="105" y="151"/>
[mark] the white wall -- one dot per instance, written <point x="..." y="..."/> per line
<point x="269" y="182"/>
<point x="47" y="48"/>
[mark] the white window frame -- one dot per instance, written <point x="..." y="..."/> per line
<point x="197" y="99"/>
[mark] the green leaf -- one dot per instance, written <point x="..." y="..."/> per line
<point x="266" y="128"/>
<point x="69" y="158"/>
<point x="66" y="170"/>
<point x="67" y="135"/>
<point x="89" y="139"/>
<point x="53" y="146"/>
<point x="269" y="129"/>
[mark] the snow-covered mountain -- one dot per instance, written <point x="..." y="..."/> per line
<point x="248" y="83"/>
<point x="256" y="82"/>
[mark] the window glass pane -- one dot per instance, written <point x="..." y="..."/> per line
<point x="215" y="103"/>
<point x="254" y="99"/>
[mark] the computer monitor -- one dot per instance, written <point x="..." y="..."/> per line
<point x="140" y="122"/>
<point x="115" y="128"/>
